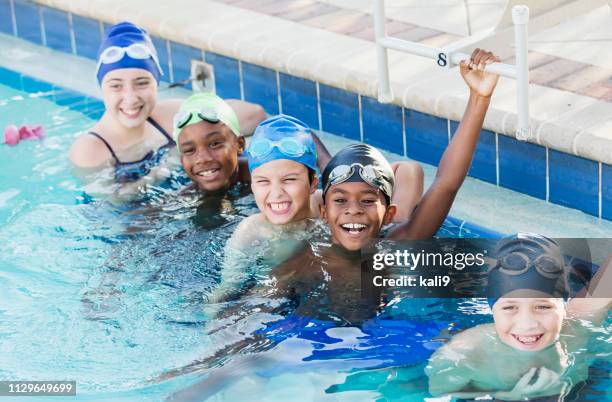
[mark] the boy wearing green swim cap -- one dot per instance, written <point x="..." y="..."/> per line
<point x="535" y="346"/>
<point x="208" y="137"/>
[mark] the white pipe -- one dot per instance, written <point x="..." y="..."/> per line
<point x="449" y="58"/>
<point x="385" y="95"/>
<point x="520" y="17"/>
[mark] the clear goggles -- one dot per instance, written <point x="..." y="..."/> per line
<point x="113" y="54"/>
<point x="288" y="146"/>
<point x="342" y="173"/>
<point x="183" y="118"/>
<point x="517" y="263"/>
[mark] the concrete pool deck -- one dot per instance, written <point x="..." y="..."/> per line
<point x="331" y="42"/>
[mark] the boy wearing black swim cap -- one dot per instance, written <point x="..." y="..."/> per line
<point x="358" y="182"/>
<point x="534" y="348"/>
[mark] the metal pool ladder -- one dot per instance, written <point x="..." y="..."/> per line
<point x="547" y="13"/>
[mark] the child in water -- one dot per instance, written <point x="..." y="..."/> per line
<point x="207" y="133"/>
<point x="283" y="163"/>
<point x="132" y="135"/>
<point x="530" y="349"/>
<point x="358" y="182"/>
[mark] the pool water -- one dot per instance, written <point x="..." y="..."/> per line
<point x="115" y="296"/>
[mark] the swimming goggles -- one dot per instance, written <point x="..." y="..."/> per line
<point x="342" y="173"/>
<point x="113" y="54"/>
<point x="183" y="118"/>
<point x="517" y="263"/>
<point x="288" y="146"/>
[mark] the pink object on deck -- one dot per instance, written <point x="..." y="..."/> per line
<point x="12" y="134"/>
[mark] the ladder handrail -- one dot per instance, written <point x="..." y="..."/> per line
<point x="449" y="56"/>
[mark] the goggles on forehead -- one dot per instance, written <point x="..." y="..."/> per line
<point x="517" y="263"/>
<point x="183" y="118"/>
<point x="288" y="146"/>
<point x="342" y="173"/>
<point x="113" y="54"/>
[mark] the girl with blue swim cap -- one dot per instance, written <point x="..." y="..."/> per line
<point x="533" y="348"/>
<point x="133" y="135"/>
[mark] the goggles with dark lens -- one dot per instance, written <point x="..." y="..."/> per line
<point x="342" y="173"/>
<point x="517" y="263"/>
<point x="183" y="118"/>
<point x="288" y="146"/>
<point x="113" y="54"/>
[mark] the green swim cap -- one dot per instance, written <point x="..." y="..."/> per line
<point x="204" y="106"/>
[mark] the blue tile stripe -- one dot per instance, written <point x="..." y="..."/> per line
<point x="299" y="99"/>
<point x="227" y="75"/>
<point x="606" y="191"/>
<point x="260" y="86"/>
<point x="6" y="17"/>
<point x="86" y="35"/>
<point x="27" y="17"/>
<point x="339" y="112"/>
<point x="426" y="137"/>
<point x="57" y="29"/>
<point x="485" y="158"/>
<point x="574" y="181"/>
<point x="382" y="125"/>
<point x="522" y="166"/>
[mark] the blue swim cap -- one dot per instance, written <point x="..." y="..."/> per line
<point x="127" y="46"/>
<point x="282" y="137"/>
<point x="527" y="261"/>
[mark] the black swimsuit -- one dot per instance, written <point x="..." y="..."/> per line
<point x="126" y="172"/>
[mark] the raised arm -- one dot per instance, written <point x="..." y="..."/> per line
<point x="456" y="160"/>
<point x="595" y="301"/>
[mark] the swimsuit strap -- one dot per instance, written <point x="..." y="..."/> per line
<point x="161" y="130"/>
<point x="110" y="149"/>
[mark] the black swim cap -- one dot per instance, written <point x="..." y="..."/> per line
<point x="527" y="261"/>
<point x="360" y="162"/>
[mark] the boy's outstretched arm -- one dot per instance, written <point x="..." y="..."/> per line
<point x="456" y="160"/>
<point x="595" y="301"/>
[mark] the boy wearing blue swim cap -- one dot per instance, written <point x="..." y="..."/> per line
<point x="282" y="162"/>
<point x="133" y="135"/>
<point x="533" y="347"/>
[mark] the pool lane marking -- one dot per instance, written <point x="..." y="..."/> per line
<point x="547" y="177"/>
<point x="241" y="80"/>
<point x="360" y="118"/>
<point x="319" y="114"/>
<point x="600" y="191"/>
<point x="72" y="35"/>
<point x="404" y="131"/>
<point x="278" y="93"/>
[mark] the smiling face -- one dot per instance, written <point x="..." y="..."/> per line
<point x="355" y="212"/>
<point x="282" y="190"/>
<point x="529" y="324"/>
<point x="209" y="155"/>
<point x="129" y="95"/>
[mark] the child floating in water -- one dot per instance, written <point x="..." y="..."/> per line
<point x="527" y="351"/>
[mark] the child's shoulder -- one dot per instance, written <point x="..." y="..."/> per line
<point x="469" y="344"/>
